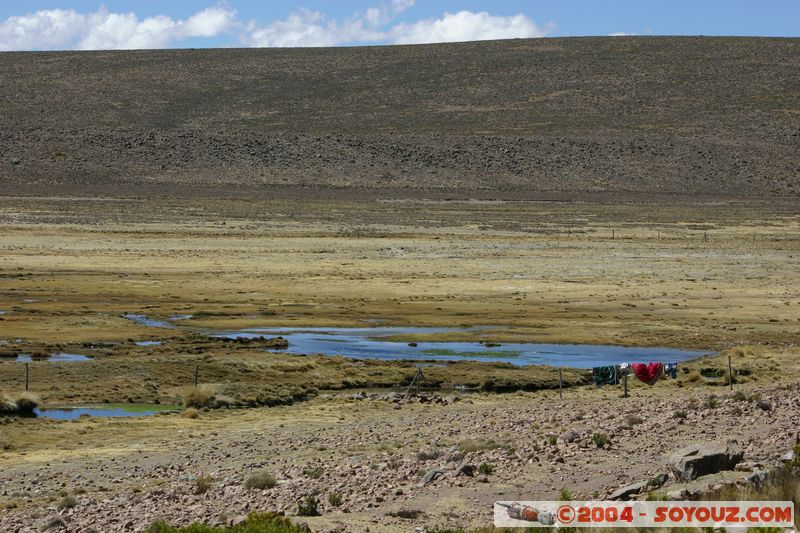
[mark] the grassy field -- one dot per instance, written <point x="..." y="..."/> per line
<point x="710" y="278"/>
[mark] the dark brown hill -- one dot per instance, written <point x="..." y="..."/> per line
<point x="716" y="117"/>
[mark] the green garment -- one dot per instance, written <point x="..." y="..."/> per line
<point x="605" y="375"/>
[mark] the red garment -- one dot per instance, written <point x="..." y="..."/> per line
<point x="648" y="373"/>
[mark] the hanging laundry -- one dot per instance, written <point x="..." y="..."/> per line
<point x="605" y="375"/>
<point x="648" y="373"/>
<point x="624" y="369"/>
<point x="671" y="370"/>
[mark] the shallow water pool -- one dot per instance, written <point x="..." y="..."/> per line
<point x="372" y="343"/>
<point x="146" y="321"/>
<point x="71" y="413"/>
<point x="61" y="357"/>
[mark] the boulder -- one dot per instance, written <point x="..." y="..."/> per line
<point x="570" y="436"/>
<point x="627" y="492"/>
<point x="658" y="481"/>
<point x="431" y="475"/>
<point x="764" y="406"/>
<point x="698" y="460"/>
<point x="633" y="420"/>
<point x="466" y="470"/>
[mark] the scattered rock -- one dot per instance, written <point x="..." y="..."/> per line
<point x="466" y="470"/>
<point x="625" y="493"/>
<point x="658" y="481"/>
<point x="431" y="475"/>
<point x="788" y="457"/>
<point x="633" y="420"/>
<point x="698" y="460"/>
<point x="570" y="436"/>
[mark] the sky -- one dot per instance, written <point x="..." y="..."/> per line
<point x="136" y="24"/>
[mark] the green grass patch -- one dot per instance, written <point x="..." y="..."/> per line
<point x="137" y="407"/>
<point x="255" y="523"/>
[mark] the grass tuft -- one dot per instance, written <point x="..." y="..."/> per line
<point x="202" y="484"/>
<point x="200" y="396"/>
<point x="308" y="507"/>
<point x="600" y="440"/>
<point x="21" y="404"/>
<point x="260" y="481"/>
<point x="335" y="499"/>
<point x="67" y="502"/>
<point x="255" y="523"/>
<point x="477" y="445"/>
<point x="314" y="473"/>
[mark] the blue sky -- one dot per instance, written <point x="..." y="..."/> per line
<point x="82" y="24"/>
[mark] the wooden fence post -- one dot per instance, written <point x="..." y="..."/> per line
<point x="625" y="386"/>
<point x="27" y="375"/>
<point x="560" y="385"/>
<point x="730" y="373"/>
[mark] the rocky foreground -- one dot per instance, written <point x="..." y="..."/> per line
<point x="380" y="463"/>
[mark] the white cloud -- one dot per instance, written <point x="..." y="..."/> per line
<point x="466" y="26"/>
<point x="620" y="34"/>
<point x="311" y="28"/>
<point x="68" y="29"/>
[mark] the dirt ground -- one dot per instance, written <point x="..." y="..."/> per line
<point x="717" y="277"/>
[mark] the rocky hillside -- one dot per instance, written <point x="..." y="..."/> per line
<point x="618" y="116"/>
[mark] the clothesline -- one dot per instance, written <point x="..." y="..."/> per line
<point x="648" y="373"/>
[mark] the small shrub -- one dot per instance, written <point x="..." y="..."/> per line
<point x="314" y="473"/>
<point x="600" y="440"/>
<point x="407" y="514"/>
<point x="54" y="522"/>
<point x="476" y="445"/>
<point x="23" y="404"/>
<point x="191" y="412"/>
<point x="428" y="454"/>
<point x="67" y="502"/>
<point x="200" y="396"/>
<point x="260" y="481"/>
<point x="202" y="484"/>
<point x="26" y="403"/>
<point x="754" y="397"/>
<point x="712" y="402"/>
<point x="486" y="469"/>
<point x="255" y="523"/>
<point x="308" y="507"/>
<point x="739" y="396"/>
<point x="335" y="499"/>
<point x="564" y="495"/>
<point x="552" y="440"/>
<point x="680" y="415"/>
